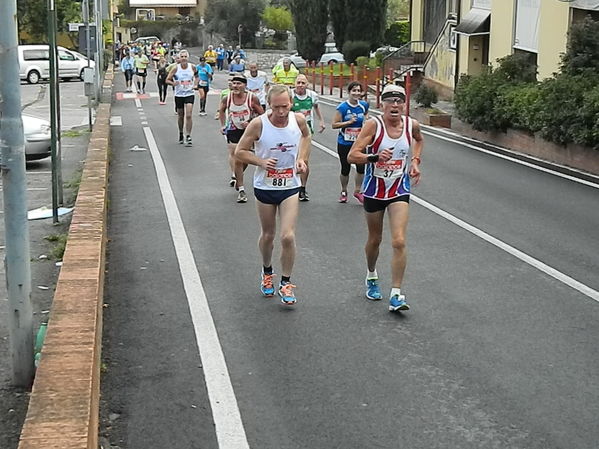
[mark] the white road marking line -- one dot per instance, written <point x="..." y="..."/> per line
<point x="39" y="172"/>
<point x="502" y="156"/>
<point x="230" y="432"/>
<point x="564" y="278"/>
<point x="32" y="189"/>
<point x="138" y="103"/>
<point x="144" y="123"/>
<point x="116" y="120"/>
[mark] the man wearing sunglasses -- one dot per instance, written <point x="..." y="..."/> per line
<point x="385" y="145"/>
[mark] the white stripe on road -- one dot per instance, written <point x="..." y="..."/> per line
<point x="582" y="288"/>
<point x="230" y="432"/>
<point x="116" y="120"/>
<point x="569" y="281"/>
<point x="138" y="103"/>
<point x="503" y="156"/>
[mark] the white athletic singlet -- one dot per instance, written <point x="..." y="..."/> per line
<point x="185" y="77"/>
<point x="239" y="114"/>
<point x="257" y="85"/>
<point x="282" y="144"/>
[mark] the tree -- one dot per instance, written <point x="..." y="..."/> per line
<point x="397" y="10"/>
<point x="33" y="16"/>
<point x="347" y="16"/>
<point x="582" y="54"/>
<point x="337" y="12"/>
<point x="278" y="19"/>
<point x="310" y="18"/>
<point x="224" y="16"/>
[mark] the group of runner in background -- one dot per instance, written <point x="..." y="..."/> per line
<point x="269" y="124"/>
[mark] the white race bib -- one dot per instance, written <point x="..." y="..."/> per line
<point x="391" y="169"/>
<point x="203" y="83"/>
<point x="279" y="177"/>
<point x="351" y="134"/>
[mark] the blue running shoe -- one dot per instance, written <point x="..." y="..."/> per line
<point x="286" y="293"/>
<point x="266" y="286"/>
<point x="373" y="291"/>
<point x="398" y="302"/>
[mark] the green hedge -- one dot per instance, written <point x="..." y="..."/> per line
<point x="563" y="109"/>
<point x="353" y="49"/>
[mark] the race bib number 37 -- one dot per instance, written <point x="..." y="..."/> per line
<point x="389" y="170"/>
<point x="279" y="178"/>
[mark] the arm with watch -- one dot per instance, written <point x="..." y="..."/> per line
<point x="357" y="153"/>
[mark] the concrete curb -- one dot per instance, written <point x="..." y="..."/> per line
<point x="64" y="405"/>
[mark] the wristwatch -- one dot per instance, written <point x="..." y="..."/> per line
<point x="372" y="158"/>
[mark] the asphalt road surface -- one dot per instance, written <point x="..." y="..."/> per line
<point x="498" y="351"/>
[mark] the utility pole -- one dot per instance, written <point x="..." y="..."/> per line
<point x="14" y="183"/>
<point x="53" y="109"/>
<point x="85" y="6"/>
<point x="99" y="48"/>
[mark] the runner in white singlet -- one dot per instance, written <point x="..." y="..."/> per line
<point x="184" y="77"/>
<point x="282" y="143"/>
<point x="236" y="111"/>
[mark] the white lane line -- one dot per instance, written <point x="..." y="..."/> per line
<point x="518" y="161"/>
<point x="138" y="103"/>
<point x="503" y="156"/>
<point x="564" y="278"/>
<point x="582" y="288"/>
<point x="229" y="428"/>
<point x="32" y="189"/>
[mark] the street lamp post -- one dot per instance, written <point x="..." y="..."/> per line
<point x="14" y="186"/>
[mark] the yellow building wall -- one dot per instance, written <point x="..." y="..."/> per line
<point x="417" y="15"/>
<point x="441" y="66"/>
<point x="553" y="36"/>
<point x="501" y="39"/>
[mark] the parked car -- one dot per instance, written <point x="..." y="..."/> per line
<point x="331" y="55"/>
<point x="145" y="40"/>
<point x="296" y="60"/>
<point x="385" y="50"/>
<point x="37" y="138"/>
<point x="34" y="63"/>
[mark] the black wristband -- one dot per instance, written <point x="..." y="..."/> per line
<point x="372" y="158"/>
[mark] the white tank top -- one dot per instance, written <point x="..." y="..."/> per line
<point x="239" y="114"/>
<point x="257" y="85"/>
<point x="185" y="77"/>
<point x="282" y="144"/>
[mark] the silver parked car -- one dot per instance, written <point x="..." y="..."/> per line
<point x="37" y="138"/>
<point x="296" y="60"/>
<point x="34" y="63"/>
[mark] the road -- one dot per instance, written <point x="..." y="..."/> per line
<point x="498" y="351"/>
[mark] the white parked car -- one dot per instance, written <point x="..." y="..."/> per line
<point x="331" y="55"/>
<point x="34" y="63"/>
<point x="296" y="60"/>
<point x="37" y="138"/>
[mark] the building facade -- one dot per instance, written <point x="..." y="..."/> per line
<point x="170" y="8"/>
<point x="465" y="36"/>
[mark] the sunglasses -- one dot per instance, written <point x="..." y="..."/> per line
<point x="393" y="100"/>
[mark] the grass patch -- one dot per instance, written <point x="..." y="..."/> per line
<point x="60" y="243"/>
<point x="327" y="70"/>
<point x="75" y="181"/>
<point x="74" y="133"/>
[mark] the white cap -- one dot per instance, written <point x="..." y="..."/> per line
<point x="393" y="91"/>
